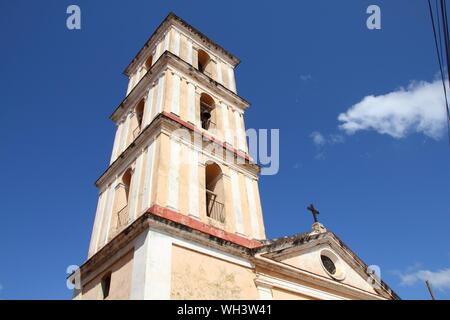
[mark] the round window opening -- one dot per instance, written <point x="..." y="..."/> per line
<point x="328" y="264"/>
<point x="332" y="265"/>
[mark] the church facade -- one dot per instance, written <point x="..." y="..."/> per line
<point x="179" y="213"/>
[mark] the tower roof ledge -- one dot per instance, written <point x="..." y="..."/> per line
<point x="173" y="19"/>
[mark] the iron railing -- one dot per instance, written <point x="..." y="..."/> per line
<point x="214" y="209"/>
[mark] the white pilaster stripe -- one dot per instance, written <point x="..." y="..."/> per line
<point x="167" y="41"/>
<point x="124" y="137"/>
<point x="99" y="220"/>
<point x="239" y="131"/>
<point x="176" y="80"/>
<point x="141" y="73"/>
<point x="174" y="175"/>
<point x="189" y="51"/>
<point x="159" y="98"/>
<point x="108" y="212"/>
<point x="158" y="50"/>
<point x="252" y="207"/>
<point x="176" y="42"/>
<point x="134" y="192"/>
<point x="130" y="84"/>
<point x="148" y="108"/>
<point x="231" y="80"/>
<point x="243" y="133"/>
<point x="116" y="142"/>
<point x="237" y="205"/>
<point x="148" y="178"/>
<point x="158" y="267"/>
<point x="219" y="72"/>
<point x="138" y="276"/>
<point x="193" y="184"/>
<point x="226" y="127"/>
<point x="191" y="103"/>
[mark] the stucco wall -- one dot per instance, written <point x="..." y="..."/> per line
<point x="120" y="281"/>
<point x="310" y="261"/>
<point x="199" y="276"/>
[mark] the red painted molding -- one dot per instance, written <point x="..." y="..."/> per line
<point x="202" y="227"/>
<point x="208" y="136"/>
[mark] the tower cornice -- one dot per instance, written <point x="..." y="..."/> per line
<point x="173" y="19"/>
<point x="167" y="122"/>
<point x="167" y="60"/>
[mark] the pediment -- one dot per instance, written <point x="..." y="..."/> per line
<point x="328" y="258"/>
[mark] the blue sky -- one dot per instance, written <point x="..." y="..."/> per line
<point x="304" y="63"/>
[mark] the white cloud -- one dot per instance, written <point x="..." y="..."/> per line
<point x="318" y="138"/>
<point x="439" y="279"/>
<point x="418" y="108"/>
<point x="335" y="139"/>
<point x="320" y="141"/>
<point x="305" y="77"/>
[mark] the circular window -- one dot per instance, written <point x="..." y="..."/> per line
<point x="328" y="264"/>
<point x="332" y="264"/>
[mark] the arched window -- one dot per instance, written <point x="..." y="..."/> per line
<point x="214" y="192"/>
<point x="126" y="181"/>
<point x="207" y="112"/>
<point x="139" y="112"/>
<point x="148" y="63"/>
<point x="203" y="61"/>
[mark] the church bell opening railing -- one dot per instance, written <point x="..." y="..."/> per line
<point x="214" y="209"/>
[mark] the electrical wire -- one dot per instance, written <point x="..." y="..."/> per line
<point x="439" y="47"/>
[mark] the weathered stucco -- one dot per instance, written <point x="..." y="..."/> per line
<point x="198" y="276"/>
<point x="120" y="281"/>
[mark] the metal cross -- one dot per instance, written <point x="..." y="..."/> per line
<point x="313" y="211"/>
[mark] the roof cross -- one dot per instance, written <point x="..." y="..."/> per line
<point x="314" y="212"/>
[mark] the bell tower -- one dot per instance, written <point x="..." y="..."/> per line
<point x="179" y="160"/>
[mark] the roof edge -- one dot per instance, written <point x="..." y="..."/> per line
<point x="173" y="16"/>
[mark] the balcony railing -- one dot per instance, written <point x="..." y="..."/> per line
<point x="214" y="209"/>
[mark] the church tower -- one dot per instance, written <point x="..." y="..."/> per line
<point x="179" y="213"/>
<point x="180" y="153"/>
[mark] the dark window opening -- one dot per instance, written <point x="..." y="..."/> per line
<point x="214" y="193"/>
<point x="203" y="60"/>
<point x="148" y="63"/>
<point x="328" y="264"/>
<point x="206" y="111"/>
<point x="139" y="115"/>
<point x="106" y="285"/>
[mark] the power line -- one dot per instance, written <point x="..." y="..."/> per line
<point x="439" y="48"/>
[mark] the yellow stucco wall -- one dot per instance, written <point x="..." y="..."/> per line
<point x="199" y="276"/>
<point x="120" y="281"/>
